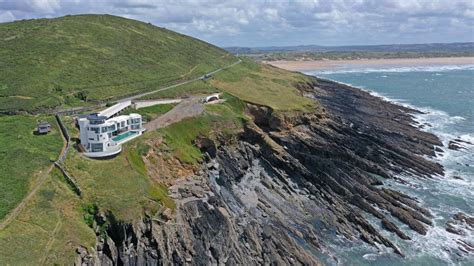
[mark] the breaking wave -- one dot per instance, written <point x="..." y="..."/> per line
<point x="444" y="196"/>
<point x="362" y="69"/>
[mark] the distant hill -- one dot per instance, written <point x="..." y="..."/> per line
<point x="46" y="63"/>
<point x="426" y="47"/>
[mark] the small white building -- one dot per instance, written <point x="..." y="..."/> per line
<point x="103" y="136"/>
<point x="212" y="98"/>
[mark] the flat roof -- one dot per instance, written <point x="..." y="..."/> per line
<point x="96" y="116"/>
<point x="112" y="110"/>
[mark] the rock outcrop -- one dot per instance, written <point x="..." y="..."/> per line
<point x="286" y="186"/>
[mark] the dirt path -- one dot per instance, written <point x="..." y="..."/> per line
<point x="51" y="239"/>
<point x="15" y="212"/>
<point x="187" y="108"/>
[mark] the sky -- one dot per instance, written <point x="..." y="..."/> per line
<point x="255" y="23"/>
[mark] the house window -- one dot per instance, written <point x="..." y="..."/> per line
<point x="104" y="129"/>
<point x="95" y="129"/>
<point x="97" y="147"/>
<point x="122" y="124"/>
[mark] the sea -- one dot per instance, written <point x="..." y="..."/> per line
<point x="445" y="95"/>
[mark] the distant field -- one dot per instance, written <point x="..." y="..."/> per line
<point x="73" y="60"/>
<point x="387" y="51"/>
<point x="352" y="55"/>
<point x="24" y="155"/>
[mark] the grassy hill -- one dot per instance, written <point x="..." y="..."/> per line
<point x="77" y="61"/>
<point x="46" y="63"/>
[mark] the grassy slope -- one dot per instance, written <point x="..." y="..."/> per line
<point x="48" y="230"/>
<point x="119" y="185"/>
<point x="225" y="118"/>
<point x="194" y="88"/>
<point x="50" y="62"/>
<point x="264" y="85"/>
<point x="68" y="58"/>
<point x="23" y="155"/>
<point x="150" y="112"/>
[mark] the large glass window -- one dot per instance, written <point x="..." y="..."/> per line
<point x="122" y="124"/>
<point x="97" y="147"/>
<point x="136" y="121"/>
<point x="104" y="129"/>
<point x="95" y="129"/>
<point x="111" y="128"/>
<point x="96" y="122"/>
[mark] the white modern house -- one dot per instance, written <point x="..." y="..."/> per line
<point x="102" y="134"/>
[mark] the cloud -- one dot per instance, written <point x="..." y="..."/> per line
<point x="282" y="22"/>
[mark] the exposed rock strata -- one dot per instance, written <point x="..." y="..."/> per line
<point x="286" y="186"/>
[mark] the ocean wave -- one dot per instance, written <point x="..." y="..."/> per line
<point x="443" y="195"/>
<point x="428" y="68"/>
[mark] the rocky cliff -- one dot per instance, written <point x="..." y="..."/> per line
<point x="286" y="184"/>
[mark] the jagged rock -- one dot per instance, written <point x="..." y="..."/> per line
<point x="451" y="227"/>
<point x="453" y="145"/>
<point x="460" y="216"/>
<point x="267" y="187"/>
<point x="167" y="214"/>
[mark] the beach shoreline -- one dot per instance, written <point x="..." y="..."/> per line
<point x="299" y="65"/>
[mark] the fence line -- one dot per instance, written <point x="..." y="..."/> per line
<point x="60" y="162"/>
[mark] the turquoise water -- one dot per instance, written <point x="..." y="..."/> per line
<point x="124" y="136"/>
<point x="446" y="95"/>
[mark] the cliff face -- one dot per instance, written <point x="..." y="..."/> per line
<point x="285" y="185"/>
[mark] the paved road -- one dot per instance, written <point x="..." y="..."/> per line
<point x="188" y="108"/>
<point x="137" y="96"/>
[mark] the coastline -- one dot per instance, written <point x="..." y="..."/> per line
<point x="439" y="233"/>
<point x="297" y="65"/>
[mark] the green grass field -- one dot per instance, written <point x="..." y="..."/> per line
<point x="225" y="118"/>
<point x="79" y="60"/>
<point x="117" y="185"/>
<point x="74" y="59"/>
<point x="24" y="156"/>
<point x="150" y="112"/>
<point x="48" y="230"/>
<point x="264" y="85"/>
<point x="194" y="88"/>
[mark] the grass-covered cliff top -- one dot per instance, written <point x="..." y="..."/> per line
<point x="66" y="61"/>
<point x="76" y="60"/>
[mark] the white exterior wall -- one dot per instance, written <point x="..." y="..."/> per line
<point x="103" y="134"/>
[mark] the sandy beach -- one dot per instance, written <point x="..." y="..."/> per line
<point x="334" y="64"/>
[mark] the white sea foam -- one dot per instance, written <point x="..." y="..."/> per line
<point x="426" y="68"/>
<point x="438" y="243"/>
